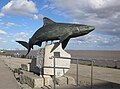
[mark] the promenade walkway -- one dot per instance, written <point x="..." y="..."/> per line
<point x="7" y="80"/>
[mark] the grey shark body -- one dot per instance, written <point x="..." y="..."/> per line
<point x="51" y="31"/>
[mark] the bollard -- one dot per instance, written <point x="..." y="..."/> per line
<point x="54" y="74"/>
<point x="92" y="63"/>
<point x="77" y="72"/>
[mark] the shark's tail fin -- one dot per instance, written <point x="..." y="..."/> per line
<point x="23" y="43"/>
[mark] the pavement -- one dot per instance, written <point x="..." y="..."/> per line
<point x="7" y="79"/>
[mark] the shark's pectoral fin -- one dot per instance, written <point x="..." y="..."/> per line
<point x="64" y="43"/>
<point x="62" y="39"/>
<point x="28" y="51"/>
<point x="23" y="43"/>
<point x="39" y="43"/>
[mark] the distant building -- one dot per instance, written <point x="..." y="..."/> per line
<point x="2" y="51"/>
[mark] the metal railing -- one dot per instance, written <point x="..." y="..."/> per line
<point x="77" y="68"/>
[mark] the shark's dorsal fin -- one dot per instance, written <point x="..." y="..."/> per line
<point x="47" y="21"/>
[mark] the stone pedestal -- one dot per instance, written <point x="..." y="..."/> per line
<point x="44" y="66"/>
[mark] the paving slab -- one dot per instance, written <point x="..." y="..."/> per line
<point x="7" y="79"/>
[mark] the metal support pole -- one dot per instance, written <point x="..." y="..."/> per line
<point x="46" y="43"/>
<point x="54" y="74"/>
<point x="77" y="72"/>
<point x="51" y="42"/>
<point x="115" y="63"/>
<point x="92" y="63"/>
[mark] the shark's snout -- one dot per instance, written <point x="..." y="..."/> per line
<point x="91" y="28"/>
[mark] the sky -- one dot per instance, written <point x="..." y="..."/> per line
<point x="19" y="19"/>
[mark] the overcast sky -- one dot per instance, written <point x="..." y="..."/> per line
<point x="19" y="19"/>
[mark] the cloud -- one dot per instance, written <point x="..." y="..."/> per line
<point x="37" y="16"/>
<point x="106" y="8"/>
<point x="2" y="40"/>
<point x="45" y="6"/>
<point x="1" y="14"/>
<point x="3" y="32"/>
<point x="9" y="24"/>
<point x="1" y="22"/>
<point x="20" y="8"/>
<point x="85" y="8"/>
<point x="20" y="35"/>
<point x="97" y="40"/>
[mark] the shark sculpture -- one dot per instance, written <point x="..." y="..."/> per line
<point x="52" y="30"/>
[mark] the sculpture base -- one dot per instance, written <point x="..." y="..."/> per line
<point x="44" y="64"/>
